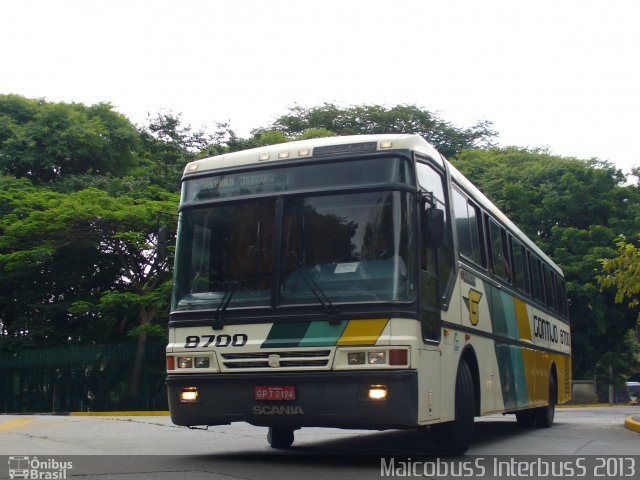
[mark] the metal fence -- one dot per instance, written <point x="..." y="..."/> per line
<point x="81" y="378"/>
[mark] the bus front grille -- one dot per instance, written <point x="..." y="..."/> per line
<point x="274" y="360"/>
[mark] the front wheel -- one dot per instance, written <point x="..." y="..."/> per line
<point x="455" y="437"/>
<point x="280" y="437"/>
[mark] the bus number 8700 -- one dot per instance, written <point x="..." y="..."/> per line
<point x="224" y="340"/>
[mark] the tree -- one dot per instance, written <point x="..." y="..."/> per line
<point x="44" y="141"/>
<point x="167" y="145"/>
<point x="623" y="274"/>
<point x="301" y="122"/>
<point x="42" y="228"/>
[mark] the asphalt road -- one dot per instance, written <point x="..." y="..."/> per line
<point x="152" y="447"/>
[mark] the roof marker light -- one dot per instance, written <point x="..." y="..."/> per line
<point x="305" y="152"/>
<point x="192" y="167"/>
<point x="386" y="144"/>
<point x="283" y="155"/>
<point x="264" y="156"/>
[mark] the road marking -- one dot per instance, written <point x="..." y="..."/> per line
<point x="15" y="424"/>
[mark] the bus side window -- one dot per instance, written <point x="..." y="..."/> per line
<point x="499" y="251"/>
<point x="549" y="290"/>
<point x="536" y="277"/>
<point x="518" y="265"/>
<point x="468" y="234"/>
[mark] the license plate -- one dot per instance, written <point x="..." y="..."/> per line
<point x="276" y="392"/>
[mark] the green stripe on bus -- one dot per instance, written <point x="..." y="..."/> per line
<point x="323" y="334"/>
<point x="285" y="334"/>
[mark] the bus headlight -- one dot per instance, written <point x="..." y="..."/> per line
<point x="201" y="362"/>
<point x="376" y="358"/>
<point x="185" y="362"/>
<point x="356" y="358"/>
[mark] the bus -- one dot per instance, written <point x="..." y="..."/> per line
<point x="358" y="282"/>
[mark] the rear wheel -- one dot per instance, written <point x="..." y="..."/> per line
<point x="280" y="437"/>
<point x="546" y="415"/>
<point x="526" y="418"/>
<point x="455" y="437"/>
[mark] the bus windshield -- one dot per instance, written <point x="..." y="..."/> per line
<point x="354" y="247"/>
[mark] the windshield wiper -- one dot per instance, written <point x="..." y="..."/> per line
<point x="232" y="286"/>
<point x="317" y="291"/>
<point x="218" y="322"/>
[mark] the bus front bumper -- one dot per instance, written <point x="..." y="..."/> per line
<point x="322" y="399"/>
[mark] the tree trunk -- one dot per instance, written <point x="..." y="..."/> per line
<point x="136" y="373"/>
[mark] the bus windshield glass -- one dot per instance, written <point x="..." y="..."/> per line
<point x="353" y="247"/>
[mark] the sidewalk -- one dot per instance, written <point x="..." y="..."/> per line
<point x="633" y="423"/>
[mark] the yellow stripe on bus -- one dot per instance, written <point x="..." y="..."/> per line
<point x="363" y="332"/>
<point x="523" y="319"/>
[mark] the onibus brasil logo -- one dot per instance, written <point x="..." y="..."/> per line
<point x="32" y="468"/>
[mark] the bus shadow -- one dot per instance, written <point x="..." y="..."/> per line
<point x="367" y="448"/>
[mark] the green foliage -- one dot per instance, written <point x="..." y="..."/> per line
<point x="623" y="273"/>
<point x="167" y="146"/>
<point x="368" y="119"/>
<point x="44" y="141"/>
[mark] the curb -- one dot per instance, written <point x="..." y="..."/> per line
<point x="592" y="405"/>
<point x="633" y="423"/>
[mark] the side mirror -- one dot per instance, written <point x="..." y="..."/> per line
<point x="163" y="240"/>
<point x="433" y="227"/>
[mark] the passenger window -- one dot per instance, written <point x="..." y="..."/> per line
<point x="536" y="278"/>
<point x="498" y="248"/>
<point x="518" y="265"/>
<point x="549" y="290"/>
<point x="467" y="227"/>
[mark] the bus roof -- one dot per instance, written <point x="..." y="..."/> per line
<point x="305" y="149"/>
<point x="359" y="143"/>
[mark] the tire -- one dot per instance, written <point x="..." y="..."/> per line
<point x="545" y="416"/>
<point x="280" y="437"/>
<point x="455" y="437"/>
<point x="526" y="418"/>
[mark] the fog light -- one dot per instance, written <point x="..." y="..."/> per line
<point x="356" y="358"/>
<point x="185" y="362"/>
<point x="201" y="362"/>
<point x="189" y="394"/>
<point x="377" y="358"/>
<point x="377" y="392"/>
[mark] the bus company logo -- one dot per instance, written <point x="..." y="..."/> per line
<point x="33" y="468"/>
<point x="274" y="361"/>
<point x="472" y="302"/>
<point x="278" y="410"/>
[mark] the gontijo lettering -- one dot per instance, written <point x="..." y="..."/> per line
<point x="544" y="329"/>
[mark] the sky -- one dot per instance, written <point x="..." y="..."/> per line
<point x="561" y="74"/>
